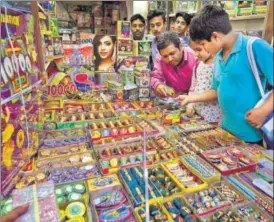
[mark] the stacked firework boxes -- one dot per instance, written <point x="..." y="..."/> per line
<point x="125" y="65"/>
<point x="142" y="74"/>
<point x="133" y="61"/>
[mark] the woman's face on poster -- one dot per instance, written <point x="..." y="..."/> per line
<point x="105" y="47"/>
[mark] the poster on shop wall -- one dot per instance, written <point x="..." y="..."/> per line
<point x="79" y="59"/>
<point x="105" y="53"/>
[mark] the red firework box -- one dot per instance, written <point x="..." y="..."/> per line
<point x="229" y="160"/>
<point x="124" y="149"/>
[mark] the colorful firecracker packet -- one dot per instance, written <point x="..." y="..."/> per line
<point x="42" y="203"/>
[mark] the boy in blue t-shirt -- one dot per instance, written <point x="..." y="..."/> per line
<point x="234" y="84"/>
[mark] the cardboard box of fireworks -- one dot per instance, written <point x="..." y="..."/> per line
<point x="108" y="200"/>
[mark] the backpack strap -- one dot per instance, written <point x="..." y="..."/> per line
<point x="253" y="65"/>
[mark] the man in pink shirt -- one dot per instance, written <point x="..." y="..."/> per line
<point x="172" y="70"/>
